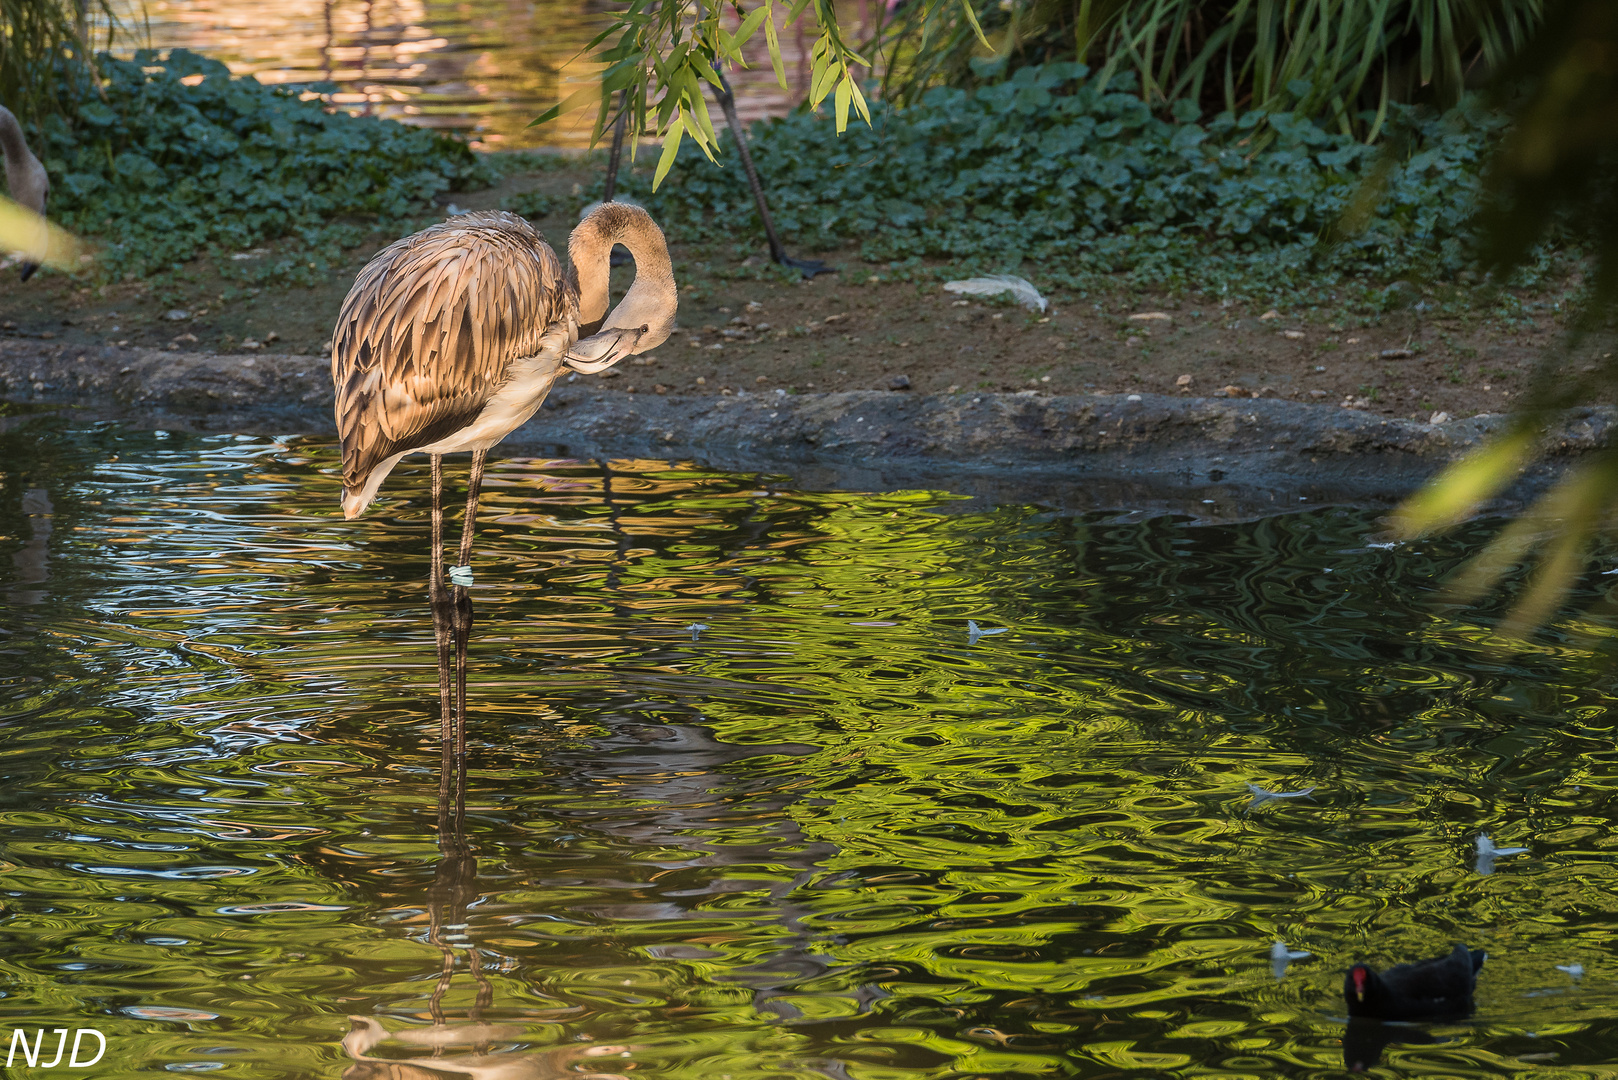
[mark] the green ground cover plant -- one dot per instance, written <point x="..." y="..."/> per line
<point x="1079" y="183"/>
<point x="176" y="158"/>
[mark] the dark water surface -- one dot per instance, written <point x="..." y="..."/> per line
<point x="831" y="838"/>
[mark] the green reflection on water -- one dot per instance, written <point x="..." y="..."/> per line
<point x="830" y="837"/>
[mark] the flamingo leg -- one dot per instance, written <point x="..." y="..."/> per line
<point x="442" y="605"/>
<point x="463" y="600"/>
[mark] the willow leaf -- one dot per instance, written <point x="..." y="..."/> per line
<point x="671" y="150"/>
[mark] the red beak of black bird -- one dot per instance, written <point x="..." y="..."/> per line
<point x="1436" y="989"/>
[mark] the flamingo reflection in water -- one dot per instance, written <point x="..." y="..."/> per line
<point x="551" y="1063"/>
<point x="700" y="800"/>
<point x="454" y="890"/>
<point x="449" y="341"/>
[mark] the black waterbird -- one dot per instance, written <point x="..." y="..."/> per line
<point x="1436" y="989"/>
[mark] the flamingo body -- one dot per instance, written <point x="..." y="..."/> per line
<point x="451" y="338"/>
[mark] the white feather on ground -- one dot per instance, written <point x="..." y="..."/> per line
<point x="993" y="285"/>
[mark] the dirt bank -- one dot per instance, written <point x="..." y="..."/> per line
<point x="743" y="327"/>
<point x="1115" y="449"/>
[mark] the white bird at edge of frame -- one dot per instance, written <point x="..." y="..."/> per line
<point x="449" y="341"/>
<point x="23" y="227"/>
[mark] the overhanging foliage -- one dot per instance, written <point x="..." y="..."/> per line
<point x="1083" y="182"/>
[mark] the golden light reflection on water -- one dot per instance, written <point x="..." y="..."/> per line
<point x="484" y="68"/>
<point x="828" y="837"/>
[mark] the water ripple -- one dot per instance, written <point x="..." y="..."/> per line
<point x="831" y="837"/>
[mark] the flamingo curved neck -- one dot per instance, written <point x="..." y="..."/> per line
<point x="651" y="300"/>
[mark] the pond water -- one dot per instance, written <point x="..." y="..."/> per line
<point x="829" y="835"/>
<point x="484" y="68"/>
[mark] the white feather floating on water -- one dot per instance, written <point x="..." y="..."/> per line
<point x="1574" y="970"/>
<point x="1486" y="847"/>
<point x="1281" y="956"/>
<point x="974" y="631"/>
<point x="1487" y="853"/>
<point x="696" y="629"/>
<point x="993" y="285"/>
<point x="1264" y="795"/>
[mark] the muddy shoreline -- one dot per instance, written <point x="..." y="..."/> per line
<point x="1141" y="451"/>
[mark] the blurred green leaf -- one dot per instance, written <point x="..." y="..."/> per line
<point x="1557" y="165"/>
<point x="1465" y="485"/>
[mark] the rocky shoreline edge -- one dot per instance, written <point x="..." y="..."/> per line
<point x="1144" y="451"/>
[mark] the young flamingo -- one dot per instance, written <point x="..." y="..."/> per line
<point x="450" y="340"/>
